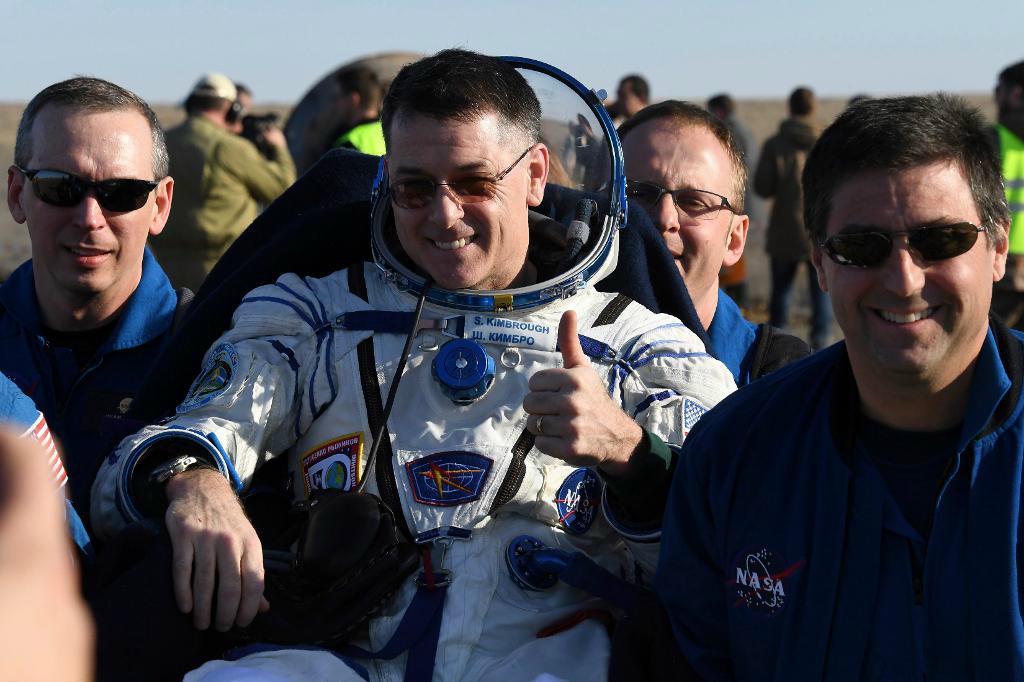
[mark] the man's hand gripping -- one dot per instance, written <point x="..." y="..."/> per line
<point x="214" y="544"/>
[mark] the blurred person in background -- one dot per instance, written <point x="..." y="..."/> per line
<point x="632" y="95"/>
<point x="778" y="178"/>
<point x="222" y="180"/>
<point x="733" y="278"/>
<point x="358" y="106"/>
<point x="686" y="169"/>
<point x="1008" y="139"/>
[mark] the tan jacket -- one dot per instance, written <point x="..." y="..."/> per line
<point x="220" y="181"/>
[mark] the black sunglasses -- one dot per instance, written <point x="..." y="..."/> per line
<point x="58" y="188"/>
<point x="699" y="204"/>
<point x="869" y="249"/>
<point x="472" y="189"/>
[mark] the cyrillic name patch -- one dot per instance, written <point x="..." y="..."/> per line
<point x="333" y="465"/>
<point x="447" y="479"/>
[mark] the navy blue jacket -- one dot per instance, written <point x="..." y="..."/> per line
<point x="733" y="338"/>
<point x="784" y="556"/>
<point x="85" y="408"/>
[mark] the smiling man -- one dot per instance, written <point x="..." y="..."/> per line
<point x="81" y="321"/>
<point x="686" y="170"/>
<point x="865" y="523"/>
<point x="530" y="401"/>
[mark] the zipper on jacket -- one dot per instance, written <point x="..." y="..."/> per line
<point x="917" y="566"/>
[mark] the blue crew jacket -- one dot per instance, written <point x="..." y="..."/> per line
<point x="733" y="338"/>
<point x="85" y="407"/>
<point x="784" y="557"/>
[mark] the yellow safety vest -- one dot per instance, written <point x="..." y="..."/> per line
<point x="1011" y="149"/>
<point x="366" y="137"/>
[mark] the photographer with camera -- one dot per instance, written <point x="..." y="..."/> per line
<point x="221" y="180"/>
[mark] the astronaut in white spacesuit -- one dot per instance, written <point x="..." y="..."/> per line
<point x="531" y="404"/>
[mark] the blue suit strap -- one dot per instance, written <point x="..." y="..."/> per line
<point x="533" y="566"/>
<point x="599" y="350"/>
<point x="417" y="633"/>
<point x="583" y="574"/>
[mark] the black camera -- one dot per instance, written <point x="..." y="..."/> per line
<point x="254" y="129"/>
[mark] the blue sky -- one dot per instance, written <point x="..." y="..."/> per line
<point x="685" y="48"/>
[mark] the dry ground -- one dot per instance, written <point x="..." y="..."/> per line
<point x="761" y="116"/>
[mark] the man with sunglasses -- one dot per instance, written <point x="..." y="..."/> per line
<point x="683" y="165"/>
<point x="81" y="322"/>
<point x="523" y="397"/>
<point x="858" y="514"/>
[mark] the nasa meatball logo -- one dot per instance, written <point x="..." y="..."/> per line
<point x="577" y="501"/>
<point x="762" y="581"/>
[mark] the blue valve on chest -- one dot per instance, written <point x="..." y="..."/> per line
<point x="464" y="370"/>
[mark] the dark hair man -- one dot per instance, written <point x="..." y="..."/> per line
<point x="81" y="322"/>
<point x="778" y="177"/>
<point x="222" y="180"/>
<point x="358" y="106"/>
<point x="483" y="460"/>
<point x="686" y="169"/>
<point x="1008" y="139"/>
<point x="867" y="516"/>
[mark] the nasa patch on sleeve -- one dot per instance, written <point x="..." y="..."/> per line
<point x="577" y="501"/>
<point x="214" y="379"/>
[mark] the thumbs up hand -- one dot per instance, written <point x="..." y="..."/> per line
<point x="569" y="342"/>
<point x="571" y="414"/>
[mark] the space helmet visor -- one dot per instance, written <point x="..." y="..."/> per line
<point x="573" y="231"/>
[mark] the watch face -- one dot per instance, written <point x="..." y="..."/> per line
<point x="162" y="473"/>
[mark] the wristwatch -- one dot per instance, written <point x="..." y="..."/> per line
<point x="178" y="465"/>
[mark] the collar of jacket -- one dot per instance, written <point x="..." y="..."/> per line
<point x="147" y="315"/>
<point x="994" y="393"/>
<point x="732" y="337"/>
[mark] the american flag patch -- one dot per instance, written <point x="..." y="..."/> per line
<point x="692" y="412"/>
<point x="41" y="432"/>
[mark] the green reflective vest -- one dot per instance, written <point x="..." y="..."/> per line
<point x="366" y="137"/>
<point x="1011" y="148"/>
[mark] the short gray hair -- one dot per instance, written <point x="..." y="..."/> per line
<point x="85" y="94"/>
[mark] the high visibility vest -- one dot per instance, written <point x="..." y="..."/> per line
<point x="366" y="137"/>
<point x="1011" y="148"/>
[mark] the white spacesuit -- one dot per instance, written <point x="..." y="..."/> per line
<point x="285" y="381"/>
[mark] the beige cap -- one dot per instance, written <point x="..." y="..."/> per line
<point x="215" y="85"/>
